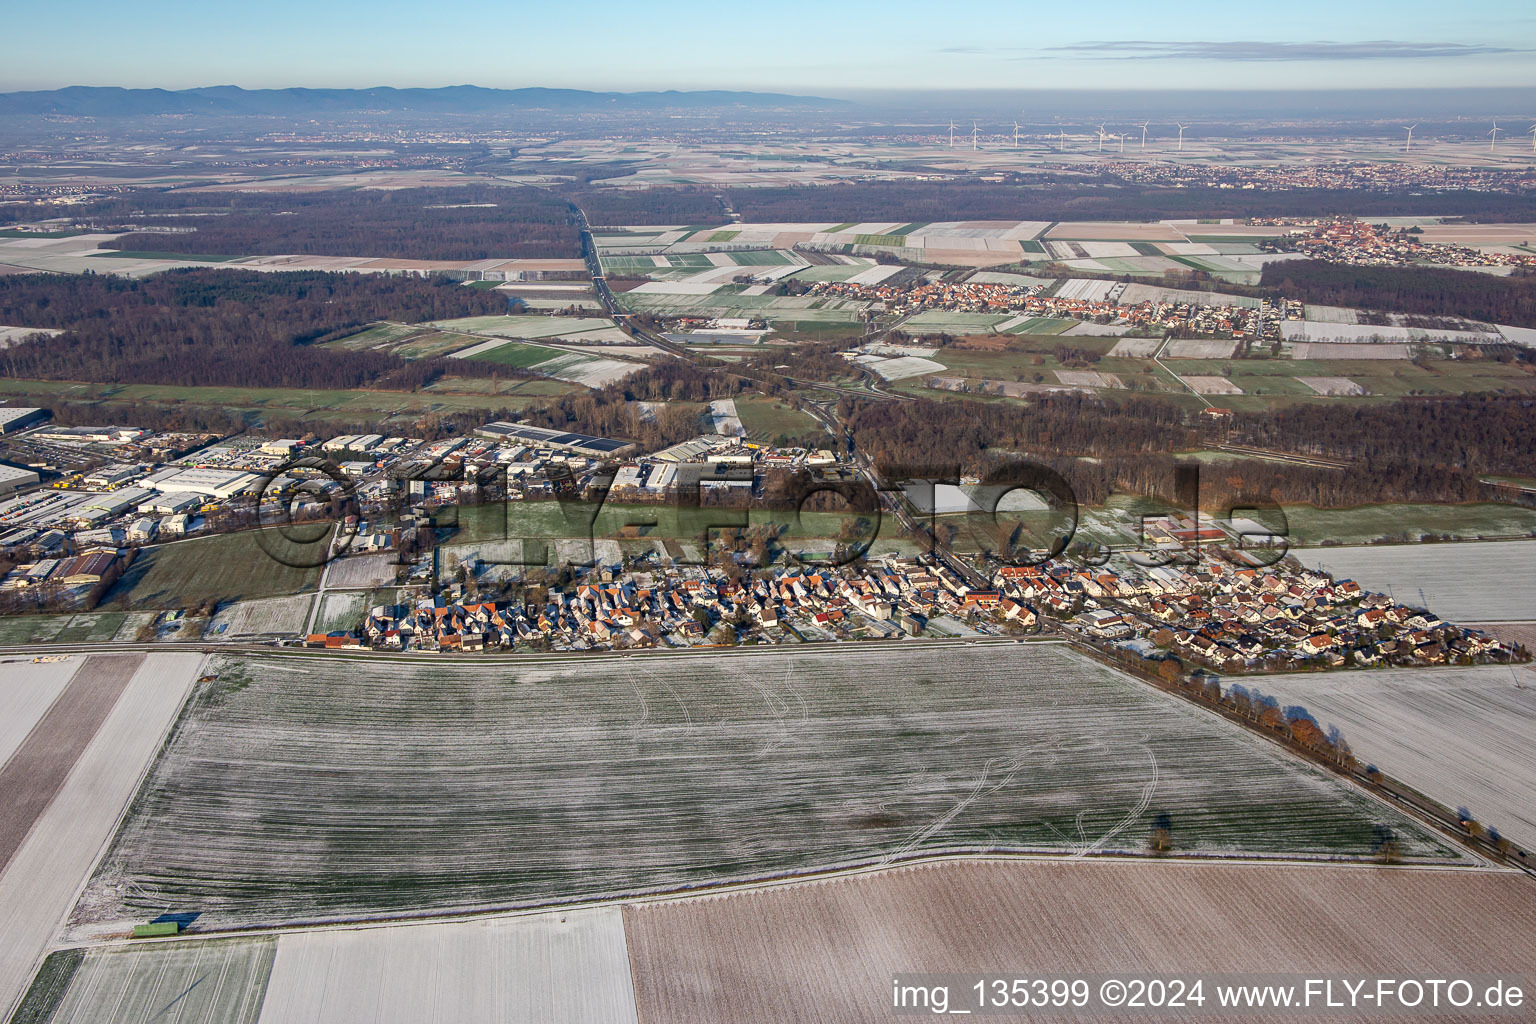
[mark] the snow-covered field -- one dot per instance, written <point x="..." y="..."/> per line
<point x="1332" y="385"/>
<point x="261" y="615"/>
<point x="26" y="692"/>
<point x="1475" y="581"/>
<point x="726" y="420"/>
<point x="589" y="371"/>
<point x="1212" y="385"/>
<point x="44" y="875"/>
<point x="1193" y="348"/>
<point x="1464" y="736"/>
<point x="293" y="789"/>
<point x="552" y="968"/>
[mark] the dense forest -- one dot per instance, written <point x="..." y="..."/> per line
<point x="653" y="206"/>
<point x="470" y="222"/>
<point x="1401" y="451"/>
<point x="228" y="327"/>
<point x="1426" y="291"/>
<point x="1479" y="434"/>
<point x="965" y="200"/>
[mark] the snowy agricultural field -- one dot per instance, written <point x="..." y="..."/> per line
<point x="1193" y="348"/>
<point x="217" y="981"/>
<point x="261" y="615"/>
<point x="553" y="968"/>
<point x="1464" y="736"/>
<point x="300" y="787"/>
<point x="1474" y="581"/>
<point x="726" y="420"/>
<point x="1212" y="385"/>
<point x="588" y="371"/>
<point x="39" y="884"/>
<point x="27" y="690"/>
<point x="1136" y="348"/>
<point x="1332" y="385"/>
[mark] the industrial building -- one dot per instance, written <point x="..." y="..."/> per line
<point x="14" y="478"/>
<point x="216" y="483"/>
<point x="585" y="444"/>
<point x="15" y="417"/>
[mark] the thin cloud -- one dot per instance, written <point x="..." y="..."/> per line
<point x="1254" y="50"/>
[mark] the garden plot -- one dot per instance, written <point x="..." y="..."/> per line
<point x="291" y="789"/>
<point x="1088" y="379"/>
<point x="260" y="616"/>
<point x="1358" y="350"/>
<point x="1212" y="385"/>
<point x="213" y="982"/>
<point x="589" y="371"/>
<point x="341" y="611"/>
<point x="361" y="572"/>
<point x="821" y="952"/>
<point x="1463" y="736"/>
<point x="1332" y="385"/>
<point x="1485" y="581"/>
<point x="1197" y="349"/>
<point x="1136" y="348"/>
<point x="572" y="966"/>
<point x="40" y="882"/>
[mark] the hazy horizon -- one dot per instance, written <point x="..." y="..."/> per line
<point x="687" y="44"/>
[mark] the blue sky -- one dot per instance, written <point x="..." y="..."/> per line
<point x="799" y="48"/>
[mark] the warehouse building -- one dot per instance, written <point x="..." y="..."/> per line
<point x="14" y="478"/>
<point x="215" y="483"/>
<point x="544" y="437"/>
<point x="16" y="417"/>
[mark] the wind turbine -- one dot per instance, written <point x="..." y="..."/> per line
<point x="1061" y="140"/>
<point x="1015" y="135"/>
<point x="1144" y="126"/>
<point x="1122" y="142"/>
<point x="951" y="133"/>
<point x="1493" y="136"/>
<point x="1101" y="138"/>
<point x="1409" y="129"/>
<point x="1532" y="132"/>
<point x="975" y="133"/>
<point x="1181" y="137"/>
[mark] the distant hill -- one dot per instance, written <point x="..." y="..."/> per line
<point x="92" y="101"/>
